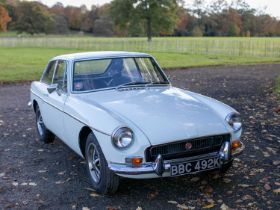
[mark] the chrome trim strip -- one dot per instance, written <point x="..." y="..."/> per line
<point x="97" y="130"/>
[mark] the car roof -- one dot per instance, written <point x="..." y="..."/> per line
<point x="99" y="55"/>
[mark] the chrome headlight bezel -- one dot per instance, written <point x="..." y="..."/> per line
<point x="122" y="137"/>
<point x="234" y="120"/>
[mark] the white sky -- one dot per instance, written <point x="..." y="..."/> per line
<point x="272" y="6"/>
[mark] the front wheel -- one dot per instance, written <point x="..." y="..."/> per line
<point x="45" y="135"/>
<point x="103" y="180"/>
<point x="226" y="167"/>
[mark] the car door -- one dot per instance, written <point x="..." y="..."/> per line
<point x="53" y="109"/>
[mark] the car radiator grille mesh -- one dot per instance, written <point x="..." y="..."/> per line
<point x="176" y="150"/>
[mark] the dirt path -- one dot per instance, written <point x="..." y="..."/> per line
<point x="38" y="176"/>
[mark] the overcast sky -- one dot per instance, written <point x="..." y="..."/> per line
<point x="272" y="6"/>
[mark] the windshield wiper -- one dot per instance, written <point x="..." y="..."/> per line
<point x="161" y="82"/>
<point x="132" y="83"/>
<point x="157" y="83"/>
<point x="141" y="83"/>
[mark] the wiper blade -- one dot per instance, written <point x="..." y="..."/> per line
<point x="132" y="83"/>
<point x="157" y="83"/>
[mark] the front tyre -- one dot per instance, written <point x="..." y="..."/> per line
<point x="45" y="135"/>
<point x="103" y="180"/>
<point x="225" y="168"/>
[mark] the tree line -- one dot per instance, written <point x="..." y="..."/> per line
<point x="136" y="18"/>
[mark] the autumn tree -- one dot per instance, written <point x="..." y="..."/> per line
<point x="103" y="25"/>
<point x="75" y="16"/>
<point x="89" y="18"/>
<point x="4" y="18"/>
<point x="59" y="20"/>
<point x="157" y="15"/>
<point x="32" y="18"/>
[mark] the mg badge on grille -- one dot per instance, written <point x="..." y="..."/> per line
<point x="188" y="146"/>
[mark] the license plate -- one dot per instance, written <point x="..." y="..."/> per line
<point x="194" y="166"/>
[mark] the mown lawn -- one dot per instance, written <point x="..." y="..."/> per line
<point x="25" y="64"/>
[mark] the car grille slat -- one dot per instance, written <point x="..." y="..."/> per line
<point x="175" y="150"/>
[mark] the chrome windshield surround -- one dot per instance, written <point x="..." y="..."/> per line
<point x="72" y="91"/>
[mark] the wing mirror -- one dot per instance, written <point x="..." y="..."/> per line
<point x="51" y="88"/>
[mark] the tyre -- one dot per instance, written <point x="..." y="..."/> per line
<point x="226" y="167"/>
<point x="103" y="180"/>
<point x="45" y="135"/>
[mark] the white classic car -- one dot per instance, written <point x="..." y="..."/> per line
<point x="119" y="111"/>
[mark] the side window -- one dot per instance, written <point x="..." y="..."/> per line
<point x="60" y="76"/>
<point x="130" y="70"/>
<point x="147" y="69"/>
<point x="48" y="75"/>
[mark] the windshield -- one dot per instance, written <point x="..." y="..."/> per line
<point x="116" y="72"/>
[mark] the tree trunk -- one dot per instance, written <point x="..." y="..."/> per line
<point x="149" y="29"/>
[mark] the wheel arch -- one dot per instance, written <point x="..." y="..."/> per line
<point x="34" y="105"/>
<point x="84" y="132"/>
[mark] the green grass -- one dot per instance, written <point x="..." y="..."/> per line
<point x="228" y="46"/>
<point x="24" y="58"/>
<point x="25" y="64"/>
<point x="8" y="34"/>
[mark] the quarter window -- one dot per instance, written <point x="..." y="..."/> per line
<point x="60" y="76"/>
<point x="48" y="75"/>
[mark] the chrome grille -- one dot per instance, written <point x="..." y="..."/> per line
<point x="178" y="149"/>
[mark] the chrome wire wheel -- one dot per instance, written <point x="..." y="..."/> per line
<point x="40" y="124"/>
<point x="93" y="159"/>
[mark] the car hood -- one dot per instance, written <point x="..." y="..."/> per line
<point x="164" y="114"/>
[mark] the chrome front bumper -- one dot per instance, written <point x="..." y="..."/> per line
<point x="161" y="166"/>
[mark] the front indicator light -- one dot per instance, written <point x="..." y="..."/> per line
<point x="235" y="145"/>
<point x="134" y="161"/>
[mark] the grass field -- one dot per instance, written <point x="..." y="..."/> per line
<point x="252" y="47"/>
<point x="20" y="64"/>
<point x="24" y="58"/>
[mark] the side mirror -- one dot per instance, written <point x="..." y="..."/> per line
<point x="51" y="88"/>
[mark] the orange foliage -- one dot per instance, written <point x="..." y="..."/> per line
<point x="4" y="18"/>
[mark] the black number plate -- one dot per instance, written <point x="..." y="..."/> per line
<point x="194" y="166"/>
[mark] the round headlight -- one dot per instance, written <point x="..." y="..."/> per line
<point x="234" y="120"/>
<point x="122" y="137"/>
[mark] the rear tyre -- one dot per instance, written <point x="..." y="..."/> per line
<point x="103" y="180"/>
<point x="45" y="135"/>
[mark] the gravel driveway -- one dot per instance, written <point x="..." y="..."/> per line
<point x="38" y="176"/>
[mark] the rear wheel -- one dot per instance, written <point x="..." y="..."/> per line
<point x="45" y="135"/>
<point x="103" y="180"/>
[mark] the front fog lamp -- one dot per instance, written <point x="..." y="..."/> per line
<point x="122" y="137"/>
<point x="234" y="120"/>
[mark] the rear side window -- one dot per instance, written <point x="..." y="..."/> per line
<point x="48" y="75"/>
